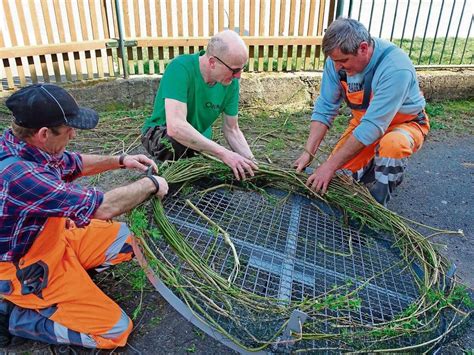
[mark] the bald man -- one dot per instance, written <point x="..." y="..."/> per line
<point x="194" y="91"/>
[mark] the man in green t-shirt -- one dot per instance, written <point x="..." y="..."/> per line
<point x="194" y="91"/>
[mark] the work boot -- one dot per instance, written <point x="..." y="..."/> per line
<point x="5" y="335"/>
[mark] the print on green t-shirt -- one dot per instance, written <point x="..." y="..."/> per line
<point x="182" y="81"/>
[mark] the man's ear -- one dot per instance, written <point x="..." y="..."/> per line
<point x="212" y="62"/>
<point x="363" y="48"/>
<point x="42" y="134"/>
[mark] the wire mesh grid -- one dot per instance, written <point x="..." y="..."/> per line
<point x="292" y="248"/>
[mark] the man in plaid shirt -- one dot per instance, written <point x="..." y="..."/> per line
<point x="52" y="230"/>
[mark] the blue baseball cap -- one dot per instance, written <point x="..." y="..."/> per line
<point x="48" y="105"/>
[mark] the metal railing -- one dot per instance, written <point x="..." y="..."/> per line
<point x="432" y="32"/>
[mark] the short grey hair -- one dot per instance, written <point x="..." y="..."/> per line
<point x="346" y="34"/>
<point x="217" y="46"/>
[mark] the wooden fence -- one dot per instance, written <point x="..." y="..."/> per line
<point x="71" y="40"/>
<point x="64" y="40"/>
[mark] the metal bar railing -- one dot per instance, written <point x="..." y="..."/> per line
<point x="426" y="29"/>
<point x="465" y="43"/>
<point x="414" y="29"/>
<point x="360" y="10"/>
<point x="383" y="17"/>
<point x="436" y="32"/>
<point x="340" y="8"/>
<point x="457" y="32"/>
<point x="371" y="14"/>
<point x="447" y="32"/>
<point x="405" y="23"/>
<point x="394" y="21"/>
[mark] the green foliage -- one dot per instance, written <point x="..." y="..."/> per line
<point x="270" y="129"/>
<point x="435" y="124"/>
<point x="155" y="320"/>
<point x="435" y="46"/>
<point x="214" y="231"/>
<point x="156" y="234"/>
<point x="434" y="109"/>
<point x="458" y="296"/>
<point x="4" y="109"/>
<point x="339" y="124"/>
<point x="459" y="106"/>
<point x="199" y="333"/>
<point x="112" y="106"/>
<point x="452" y="116"/>
<point x="275" y="144"/>
<point x="411" y="323"/>
<point x="409" y="311"/>
<point x="167" y="144"/>
<point x="461" y="295"/>
<point x="187" y="190"/>
<point x="338" y="302"/>
<point x="138" y="221"/>
<point x="191" y="349"/>
<point x="384" y="332"/>
<point x="136" y="312"/>
<point x="138" y="279"/>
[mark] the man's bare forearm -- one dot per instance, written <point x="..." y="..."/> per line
<point x="346" y="152"/>
<point x="188" y="136"/>
<point x="96" y="164"/>
<point x="123" y="199"/>
<point x="238" y="143"/>
<point x="316" y="134"/>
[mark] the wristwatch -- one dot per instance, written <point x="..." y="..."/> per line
<point x="149" y="174"/>
<point x="121" y="159"/>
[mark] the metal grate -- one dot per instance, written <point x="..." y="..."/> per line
<point x="292" y="248"/>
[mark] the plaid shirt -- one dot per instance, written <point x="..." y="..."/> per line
<point x="35" y="188"/>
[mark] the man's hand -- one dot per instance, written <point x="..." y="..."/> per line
<point x="303" y="161"/>
<point x="320" y="179"/>
<point x="239" y="164"/>
<point x="139" y="162"/>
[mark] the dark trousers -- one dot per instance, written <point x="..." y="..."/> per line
<point x="162" y="147"/>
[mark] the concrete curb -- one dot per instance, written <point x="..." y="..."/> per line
<point x="259" y="89"/>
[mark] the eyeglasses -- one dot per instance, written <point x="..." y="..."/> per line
<point x="234" y="71"/>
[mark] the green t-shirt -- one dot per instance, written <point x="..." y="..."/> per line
<point x="183" y="81"/>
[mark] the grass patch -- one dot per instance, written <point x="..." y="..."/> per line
<point x="444" y="51"/>
<point x="274" y="134"/>
<point x="430" y="51"/>
<point x="452" y="116"/>
<point x="118" y="131"/>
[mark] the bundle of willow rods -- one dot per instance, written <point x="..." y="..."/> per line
<point x="210" y="295"/>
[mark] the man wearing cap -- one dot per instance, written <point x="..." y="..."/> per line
<point x="194" y="91"/>
<point x="52" y="230"/>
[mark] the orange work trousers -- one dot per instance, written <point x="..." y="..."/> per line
<point x="55" y="299"/>
<point x="404" y="136"/>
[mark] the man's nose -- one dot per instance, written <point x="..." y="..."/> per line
<point x="237" y="75"/>
<point x="73" y="133"/>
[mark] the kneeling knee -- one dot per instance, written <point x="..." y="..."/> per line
<point x="395" y="145"/>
